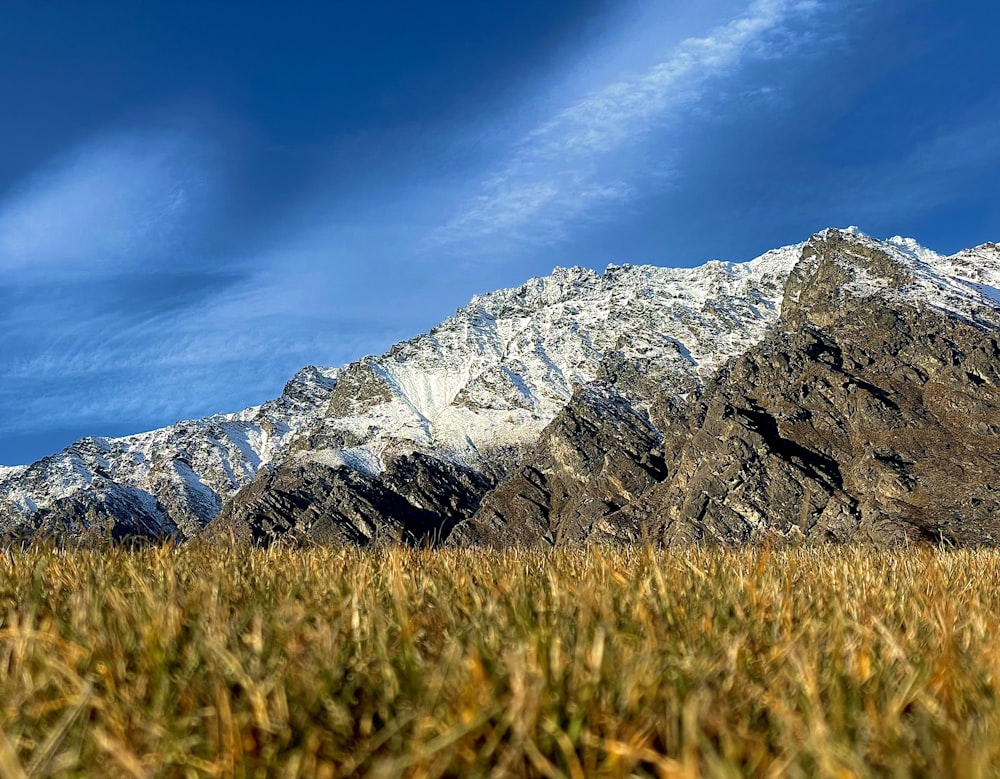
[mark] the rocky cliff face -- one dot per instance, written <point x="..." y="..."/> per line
<point x="418" y="499"/>
<point x="871" y="410"/>
<point x="373" y="443"/>
<point x="598" y="455"/>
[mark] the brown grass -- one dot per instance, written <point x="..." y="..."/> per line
<point x="208" y="661"/>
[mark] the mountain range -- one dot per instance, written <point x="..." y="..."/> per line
<point x="837" y="389"/>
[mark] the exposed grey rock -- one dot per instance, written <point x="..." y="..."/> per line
<point x="869" y="412"/>
<point x="859" y="417"/>
<point x="96" y="516"/>
<point x="418" y="499"/>
<point x="597" y="455"/>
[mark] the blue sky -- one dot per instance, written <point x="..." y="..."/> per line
<point x="197" y="199"/>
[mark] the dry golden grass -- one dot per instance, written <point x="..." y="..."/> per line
<point x="208" y="661"/>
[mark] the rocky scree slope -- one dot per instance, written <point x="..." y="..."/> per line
<point x="870" y="410"/>
<point x="408" y="442"/>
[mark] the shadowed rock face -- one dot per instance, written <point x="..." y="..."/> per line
<point x="860" y="415"/>
<point x="97" y="517"/>
<point x="418" y="499"/>
<point x="841" y="433"/>
<point x="598" y="454"/>
<point x="601" y="451"/>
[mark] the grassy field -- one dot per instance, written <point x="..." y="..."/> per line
<point x="202" y="661"/>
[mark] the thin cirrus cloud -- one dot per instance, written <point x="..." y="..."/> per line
<point x="570" y="164"/>
<point x="102" y="253"/>
<point x="129" y="299"/>
<point x="106" y="238"/>
<point x="120" y="201"/>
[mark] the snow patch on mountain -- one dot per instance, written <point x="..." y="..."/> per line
<point x="494" y="374"/>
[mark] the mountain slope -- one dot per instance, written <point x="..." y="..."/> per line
<point x="474" y="392"/>
<point x="459" y="406"/>
<point x="871" y="409"/>
<point x="167" y="481"/>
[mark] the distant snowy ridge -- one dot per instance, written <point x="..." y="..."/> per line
<point x="484" y="380"/>
<point x="202" y="459"/>
<point x="499" y="370"/>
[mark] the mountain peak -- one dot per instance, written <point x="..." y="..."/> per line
<point x="842" y="265"/>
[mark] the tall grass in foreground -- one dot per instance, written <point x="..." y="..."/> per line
<point x="211" y="661"/>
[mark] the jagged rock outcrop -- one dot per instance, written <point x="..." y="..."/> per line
<point x="418" y="499"/>
<point x="871" y="410"/>
<point x="597" y="455"/>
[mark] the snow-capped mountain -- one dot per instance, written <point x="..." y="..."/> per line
<point x="476" y="388"/>
<point x="466" y="400"/>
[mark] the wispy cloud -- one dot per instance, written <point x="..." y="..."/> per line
<point x="106" y="280"/>
<point x="566" y="166"/>
<point x="126" y="299"/>
<point x="121" y="200"/>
